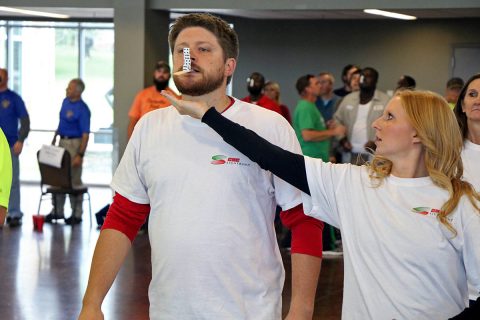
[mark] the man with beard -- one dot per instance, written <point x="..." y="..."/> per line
<point x="150" y="98"/>
<point x="255" y="85"/>
<point x="213" y="243"/>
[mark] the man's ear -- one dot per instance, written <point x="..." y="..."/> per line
<point x="230" y="66"/>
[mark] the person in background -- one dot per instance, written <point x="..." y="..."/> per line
<point x="406" y="82"/>
<point x="150" y="98"/>
<point x="272" y="91"/>
<point x="354" y="86"/>
<point x="327" y="101"/>
<point x="356" y="112"/>
<point x="213" y="243"/>
<point x="12" y="113"/>
<point x="467" y="111"/>
<point x="452" y="90"/>
<point x="74" y="131"/>
<point x="315" y="136"/>
<point x="5" y="176"/>
<point x="347" y="72"/>
<point x="410" y="224"/>
<point x="310" y="127"/>
<point x="255" y="85"/>
<point x="355" y="81"/>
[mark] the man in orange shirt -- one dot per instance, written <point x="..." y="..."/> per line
<point x="150" y="98"/>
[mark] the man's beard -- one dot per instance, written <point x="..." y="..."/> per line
<point x="199" y="88"/>
<point x="160" y="84"/>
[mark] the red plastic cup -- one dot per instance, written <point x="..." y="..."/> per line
<point x="38" y="221"/>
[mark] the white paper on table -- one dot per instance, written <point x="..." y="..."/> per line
<point x="51" y="155"/>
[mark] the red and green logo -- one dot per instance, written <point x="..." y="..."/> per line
<point x="426" y="210"/>
<point x="218" y="159"/>
<point x="222" y="159"/>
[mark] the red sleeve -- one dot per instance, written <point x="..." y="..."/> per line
<point x="126" y="216"/>
<point x="306" y="231"/>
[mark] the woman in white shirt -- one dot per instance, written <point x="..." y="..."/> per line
<point x="410" y="226"/>
<point x="467" y="110"/>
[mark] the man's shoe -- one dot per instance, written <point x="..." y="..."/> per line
<point x="15" y="222"/>
<point x="73" y="220"/>
<point x="51" y="216"/>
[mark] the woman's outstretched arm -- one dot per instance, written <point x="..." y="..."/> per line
<point x="284" y="164"/>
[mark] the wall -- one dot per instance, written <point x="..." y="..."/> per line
<point x="285" y="50"/>
<point x="140" y="39"/>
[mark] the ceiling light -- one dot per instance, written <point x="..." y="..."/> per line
<point x="390" y="14"/>
<point x="35" y="13"/>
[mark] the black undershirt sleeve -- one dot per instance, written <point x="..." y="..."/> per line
<point x="469" y="313"/>
<point x="284" y="164"/>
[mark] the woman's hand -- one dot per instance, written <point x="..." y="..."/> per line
<point x="194" y="109"/>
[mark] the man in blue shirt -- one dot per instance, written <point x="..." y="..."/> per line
<point x="13" y="111"/>
<point x="74" y="130"/>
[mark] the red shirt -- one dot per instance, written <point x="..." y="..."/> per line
<point x="266" y="103"/>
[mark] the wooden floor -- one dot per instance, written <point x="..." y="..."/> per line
<point x="43" y="275"/>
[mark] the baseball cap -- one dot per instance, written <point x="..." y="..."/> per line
<point x="455" y="83"/>
<point x="162" y="65"/>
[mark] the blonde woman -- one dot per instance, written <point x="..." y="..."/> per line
<point x="272" y="91"/>
<point x="467" y="110"/>
<point x="410" y="226"/>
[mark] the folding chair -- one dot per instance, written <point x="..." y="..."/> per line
<point x="56" y="181"/>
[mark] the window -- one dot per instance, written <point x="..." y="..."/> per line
<point x="42" y="57"/>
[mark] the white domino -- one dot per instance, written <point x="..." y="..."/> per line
<point x="187" y="62"/>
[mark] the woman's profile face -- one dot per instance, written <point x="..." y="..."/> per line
<point x="395" y="137"/>
<point x="471" y="102"/>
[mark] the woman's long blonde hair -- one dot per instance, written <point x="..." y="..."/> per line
<point x="437" y="128"/>
<point x="275" y="86"/>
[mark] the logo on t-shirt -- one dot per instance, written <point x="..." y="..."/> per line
<point x="220" y="159"/>
<point x="5" y="103"/>
<point x="427" y="211"/>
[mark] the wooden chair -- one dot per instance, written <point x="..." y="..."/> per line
<point x="54" y="181"/>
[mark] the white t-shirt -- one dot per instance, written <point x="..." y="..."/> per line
<point x="400" y="261"/>
<point x="214" y="249"/>
<point x="471" y="173"/>
<point x="359" y="130"/>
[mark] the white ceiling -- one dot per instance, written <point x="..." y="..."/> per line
<point x="340" y="14"/>
<point x="90" y="13"/>
<point x="107" y="13"/>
